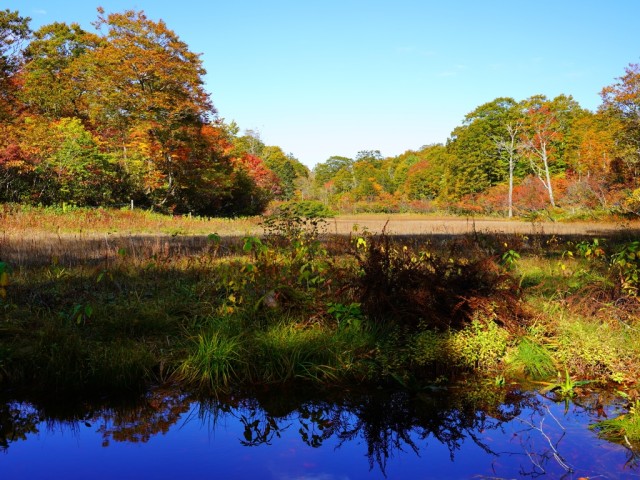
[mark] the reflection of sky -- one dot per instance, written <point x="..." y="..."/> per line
<point x="192" y="448"/>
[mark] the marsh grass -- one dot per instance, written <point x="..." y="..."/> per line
<point x="531" y="359"/>
<point x="624" y="428"/>
<point x="21" y="219"/>
<point x="104" y="311"/>
<point x="213" y="363"/>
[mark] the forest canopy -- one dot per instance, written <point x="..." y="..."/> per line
<point x="122" y="115"/>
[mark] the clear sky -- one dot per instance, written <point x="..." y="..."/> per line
<point x="333" y="77"/>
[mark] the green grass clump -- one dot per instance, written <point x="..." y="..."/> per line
<point x="288" y="351"/>
<point x="531" y="359"/>
<point x="214" y="362"/>
<point x="623" y="429"/>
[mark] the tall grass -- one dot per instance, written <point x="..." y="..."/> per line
<point x="531" y="359"/>
<point x="214" y="362"/>
<point x="117" y="311"/>
<point x="18" y="219"/>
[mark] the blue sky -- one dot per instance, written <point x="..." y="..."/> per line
<point x="333" y="77"/>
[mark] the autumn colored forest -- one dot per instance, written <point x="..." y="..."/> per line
<point x="121" y="115"/>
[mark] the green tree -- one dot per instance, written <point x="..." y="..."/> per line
<point x="77" y="172"/>
<point x="286" y="167"/>
<point x="427" y="179"/>
<point x="478" y="162"/>
<point x="326" y="171"/>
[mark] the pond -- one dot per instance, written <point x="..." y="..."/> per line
<point x="441" y="433"/>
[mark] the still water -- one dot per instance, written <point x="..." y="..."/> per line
<point x="457" y="433"/>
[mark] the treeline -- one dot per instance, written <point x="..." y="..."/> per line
<point x="508" y="157"/>
<point x="119" y="115"/>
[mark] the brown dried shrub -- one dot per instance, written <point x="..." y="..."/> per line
<point x="435" y="289"/>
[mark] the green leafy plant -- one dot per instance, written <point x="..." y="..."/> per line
<point x="80" y="313"/>
<point x="565" y="387"/>
<point x="480" y="345"/>
<point x="625" y="264"/>
<point x="255" y="246"/>
<point x="348" y="316"/>
<point x="509" y="259"/>
<point x="590" y="250"/>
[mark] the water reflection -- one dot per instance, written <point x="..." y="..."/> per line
<point x="488" y="432"/>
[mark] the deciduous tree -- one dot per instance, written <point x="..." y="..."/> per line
<point x="622" y="101"/>
<point x="14" y="31"/>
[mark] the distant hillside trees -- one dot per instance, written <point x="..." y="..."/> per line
<point x="507" y="156"/>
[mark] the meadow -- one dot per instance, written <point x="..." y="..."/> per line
<point x="95" y="302"/>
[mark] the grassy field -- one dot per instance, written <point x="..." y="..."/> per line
<point x="102" y="301"/>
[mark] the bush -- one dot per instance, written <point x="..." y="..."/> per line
<point x="480" y="345"/>
<point x="438" y="290"/>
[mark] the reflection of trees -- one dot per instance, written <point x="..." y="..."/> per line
<point x="159" y="410"/>
<point x="135" y="422"/>
<point x="393" y="423"/>
<point x="17" y="420"/>
<point x="388" y="422"/>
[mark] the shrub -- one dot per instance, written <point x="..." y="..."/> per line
<point x="595" y="349"/>
<point x="439" y="290"/>
<point x="480" y="345"/>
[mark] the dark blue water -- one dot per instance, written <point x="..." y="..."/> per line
<point x="454" y="434"/>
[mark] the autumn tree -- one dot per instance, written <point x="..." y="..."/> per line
<point x="593" y="168"/>
<point x="146" y="79"/>
<point x="427" y="179"/>
<point x="287" y="169"/>
<point x="14" y="31"/>
<point x="621" y="101"/>
<point x="121" y="114"/>
<point x="547" y="139"/>
<point x="56" y="71"/>
<point x="398" y="168"/>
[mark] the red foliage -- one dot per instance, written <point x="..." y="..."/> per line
<point x="495" y="199"/>
<point x="10" y="155"/>
<point x="259" y="172"/>
<point x="530" y="195"/>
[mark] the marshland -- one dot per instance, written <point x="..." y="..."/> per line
<point x="109" y="304"/>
